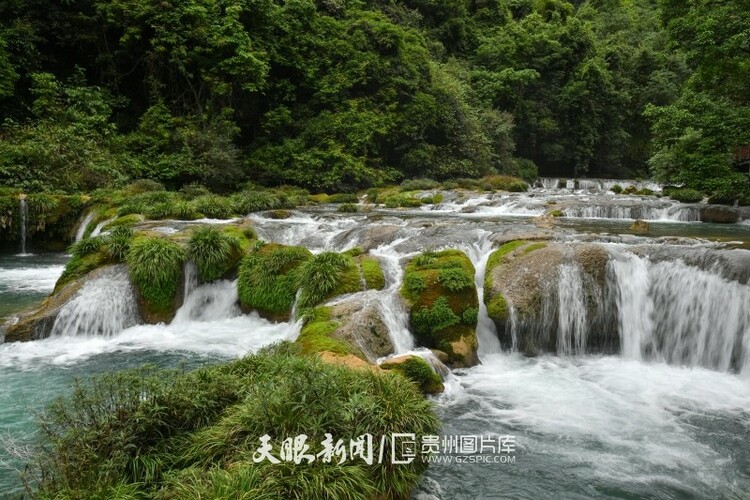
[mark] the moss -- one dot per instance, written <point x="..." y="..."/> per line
<point x="556" y="213"/>
<point x="402" y="201"/>
<point x="269" y="279"/>
<point x="126" y="220"/>
<point x="316" y="337"/>
<point x="497" y="257"/>
<point x="455" y="279"/>
<point x="430" y="320"/>
<point x="343" y="198"/>
<point x="348" y="208"/>
<point x="79" y="266"/>
<point x="319" y="198"/>
<point x="155" y="266"/>
<point x="418" y="371"/>
<point x="470" y="316"/>
<point x="617" y="189"/>
<point x="279" y="214"/>
<point x="372" y="272"/>
<point x="497" y="308"/>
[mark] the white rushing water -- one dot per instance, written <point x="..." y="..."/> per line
<point x="572" y="320"/>
<point x="81" y="231"/>
<point x="31" y="279"/>
<point x="98" y="229"/>
<point x="103" y="307"/>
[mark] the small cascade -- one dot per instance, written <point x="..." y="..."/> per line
<point x="190" y="274"/>
<point x="104" y="306"/>
<point x="214" y="301"/>
<point x="81" y="231"/>
<point x="392" y="309"/>
<point x="629" y="278"/>
<point x="572" y="316"/>
<point x="98" y="229"/>
<point x="665" y="211"/>
<point x="24" y="211"/>
<point x="479" y="253"/>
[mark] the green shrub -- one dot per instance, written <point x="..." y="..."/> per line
<point x="645" y="192"/>
<point x="372" y="195"/>
<point x="686" y="195"/>
<point x="155" y="266"/>
<point x="194" y="190"/>
<point x="418" y="185"/>
<point x="402" y="201"/>
<point x="630" y="190"/>
<point x="151" y="433"/>
<point x="214" y="252"/>
<point x="343" y="198"/>
<point x="269" y="279"/>
<point x="418" y="371"/>
<point x="144" y="186"/>
<point x="348" y="208"/>
<point x="87" y="246"/>
<point x="214" y="206"/>
<point x="505" y="183"/>
<point x="455" y="279"/>
<point x="469" y="183"/>
<point x="246" y="202"/>
<point x="430" y="320"/>
<point x="617" y="189"/>
<point x="470" y="316"/>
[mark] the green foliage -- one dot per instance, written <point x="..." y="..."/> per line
<point x="87" y="246"/>
<point x="686" y="195"/>
<point x="419" y="185"/>
<point x="348" y="208"/>
<point x="506" y="183"/>
<point x="176" y="434"/>
<point x="617" y="189"/>
<point x="155" y="266"/>
<point x="118" y="243"/>
<point x="430" y="320"/>
<point x="315" y="336"/>
<point x="213" y="206"/>
<point x="455" y="279"/>
<point x="402" y="201"/>
<point x="214" y="252"/>
<point x="342" y="198"/>
<point x="269" y="278"/>
<point x="326" y="275"/>
<point x="418" y="371"/>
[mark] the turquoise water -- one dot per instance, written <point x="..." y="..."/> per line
<point x="25" y="280"/>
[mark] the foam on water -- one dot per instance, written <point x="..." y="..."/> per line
<point x="33" y="279"/>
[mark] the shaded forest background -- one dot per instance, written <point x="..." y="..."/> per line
<point x="344" y="94"/>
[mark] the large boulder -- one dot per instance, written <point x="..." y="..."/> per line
<point x="416" y="369"/>
<point x="350" y="327"/>
<point x="524" y="283"/>
<point x="443" y="306"/>
<point x="718" y="214"/>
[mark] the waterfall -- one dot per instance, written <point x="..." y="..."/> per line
<point x="104" y="306"/>
<point x="392" y="310"/>
<point x="24" y="211"/>
<point x="98" y="229"/>
<point x="190" y="273"/>
<point x="209" y="302"/>
<point x="479" y="253"/>
<point x="681" y="314"/>
<point x="81" y="231"/>
<point x="572" y="316"/>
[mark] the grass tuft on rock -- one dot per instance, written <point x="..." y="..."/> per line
<point x="327" y="275"/>
<point x="151" y="433"/>
<point x="269" y="279"/>
<point x="155" y="266"/>
<point x="215" y="252"/>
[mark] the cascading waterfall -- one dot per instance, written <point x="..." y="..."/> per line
<point x="104" y="306"/>
<point x="479" y="253"/>
<point x="667" y="311"/>
<point x="190" y="274"/>
<point x="392" y="309"/>
<point x="209" y="302"/>
<point x="98" y="229"/>
<point x="24" y="211"/>
<point x="681" y="314"/>
<point x="81" y="232"/>
<point x="572" y="317"/>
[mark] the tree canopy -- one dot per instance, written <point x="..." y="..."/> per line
<point x="344" y="94"/>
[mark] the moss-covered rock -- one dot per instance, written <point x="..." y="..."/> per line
<point x="217" y="251"/>
<point x="639" y="227"/>
<point x="269" y="279"/>
<point x="719" y="215"/>
<point x="442" y="300"/>
<point x="155" y="265"/>
<point x="521" y="275"/>
<point x="317" y="335"/>
<point x="418" y="371"/>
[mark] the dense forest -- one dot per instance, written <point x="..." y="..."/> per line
<point x="338" y="95"/>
